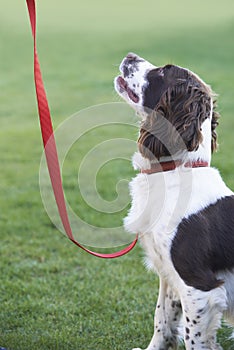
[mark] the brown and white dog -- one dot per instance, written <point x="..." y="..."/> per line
<point x="181" y="207"/>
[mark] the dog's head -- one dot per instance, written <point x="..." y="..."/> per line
<point x="164" y="96"/>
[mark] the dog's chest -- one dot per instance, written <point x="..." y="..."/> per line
<point x="159" y="202"/>
<point x="158" y="205"/>
<point x="157" y="249"/>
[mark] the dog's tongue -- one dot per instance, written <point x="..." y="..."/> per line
<point x="122" y="84"/>
<point x="124" y="87"/>
<point x="132" y="95"/>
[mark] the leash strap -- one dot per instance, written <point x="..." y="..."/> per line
<point x="51" y="149"/>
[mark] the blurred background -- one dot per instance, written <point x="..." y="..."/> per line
<point x="53" y="296"/>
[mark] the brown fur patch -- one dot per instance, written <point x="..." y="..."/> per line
<point x="176" y="121"/>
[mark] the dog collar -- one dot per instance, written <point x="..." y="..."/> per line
<point x="172" y="165"/>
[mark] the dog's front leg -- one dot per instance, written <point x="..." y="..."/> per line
<point x="202" y="312"/>
<point x="166" y="320"/>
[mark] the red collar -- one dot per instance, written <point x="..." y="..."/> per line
<point x="171" y="165"/>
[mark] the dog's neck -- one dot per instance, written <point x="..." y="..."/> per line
<point x="172" y="165"/>
<point x="202" y="155"/>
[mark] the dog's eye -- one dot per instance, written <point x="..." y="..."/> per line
<point x="161" y="72"/>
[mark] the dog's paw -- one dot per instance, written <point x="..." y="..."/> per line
<point x="137" y="349"/>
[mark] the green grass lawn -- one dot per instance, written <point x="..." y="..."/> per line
<point x="52" y="295"/>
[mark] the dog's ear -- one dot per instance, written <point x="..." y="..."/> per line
<point x="214" y="124"/>
<point x="190" y="113"/>
<point x="176" y="123"/>
<point x="156" y="138"/>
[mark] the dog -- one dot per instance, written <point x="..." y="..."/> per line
<point x="181" y="207"/>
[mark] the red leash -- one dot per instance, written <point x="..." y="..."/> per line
<point x="51" y="149"/>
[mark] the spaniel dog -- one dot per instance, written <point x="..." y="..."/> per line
<point x="181" y="208"/>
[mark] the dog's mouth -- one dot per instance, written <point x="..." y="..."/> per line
<point x="123" y="87"/>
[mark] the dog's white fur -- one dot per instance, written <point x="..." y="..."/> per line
<point x="159" y="203"/>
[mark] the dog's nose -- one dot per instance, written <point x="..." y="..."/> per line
<point x="128" y="62"/>
<point x="131" y="56"/>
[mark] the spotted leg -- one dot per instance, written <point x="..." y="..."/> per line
<point x="166" y="320"/>
<point x="202" y="312"/>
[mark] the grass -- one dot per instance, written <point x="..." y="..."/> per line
<point x="52" y="295"/>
